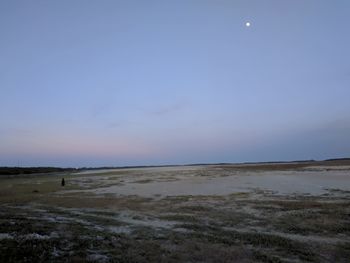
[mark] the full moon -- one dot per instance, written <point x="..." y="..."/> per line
<point x="247" y="24"/>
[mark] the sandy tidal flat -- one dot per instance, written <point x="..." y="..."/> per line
<point x="215" y="213"/>
<point x="203" y="182"/>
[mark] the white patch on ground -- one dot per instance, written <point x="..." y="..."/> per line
<point x="119" y="229"/>
<point x="97" y="258"/>
<point x="147" y="221"/>
<point x="28" y="236"/>
<point x="35" y="236"/>
<point x="56" y="252"/>
<point x="130" y="219"/>
<point x="5" y="236"/>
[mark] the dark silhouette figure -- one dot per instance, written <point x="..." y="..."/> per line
<point x="63" y="182"/>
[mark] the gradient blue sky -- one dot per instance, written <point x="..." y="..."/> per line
<point x="91" y="83"/>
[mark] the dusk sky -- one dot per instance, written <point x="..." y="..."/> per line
<point x="110" y="83"/>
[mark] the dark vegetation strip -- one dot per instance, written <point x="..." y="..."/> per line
<point x="33" y="170"/>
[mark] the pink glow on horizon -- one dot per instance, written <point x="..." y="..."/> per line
<point x="79" y="146"/>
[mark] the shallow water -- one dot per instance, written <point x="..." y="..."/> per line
<point x="281" y="182"/>
<point x="145" y="169"/>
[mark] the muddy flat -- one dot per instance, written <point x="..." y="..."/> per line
<point x="297" y="212"/>
<point x="212" y="181"/>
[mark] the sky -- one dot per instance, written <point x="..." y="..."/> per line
<point x="113" y="83"/>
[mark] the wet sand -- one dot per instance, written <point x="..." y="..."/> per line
<point x="172" y="181"/>
<point x="281" y="182"/>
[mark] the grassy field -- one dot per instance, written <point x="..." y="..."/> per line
<point x="41" y="221"/>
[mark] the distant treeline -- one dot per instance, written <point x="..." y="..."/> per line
<point x="32" y="170"/>
<point x="338" y="159"/>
